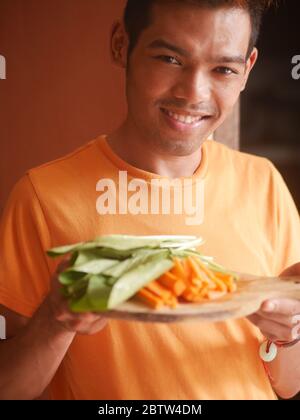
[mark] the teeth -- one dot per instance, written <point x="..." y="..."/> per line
<point x="186" y="119"/>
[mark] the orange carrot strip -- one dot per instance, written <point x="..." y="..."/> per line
<point x="204" y="277"/>
<point x="190" y="292"/>
<point x="220" y="284"/>
<point x="204" y="292"/>
<point x="194" y="267"/>
<point x="188" y="296"/>
<point x="232" y="287"/>
<point x="162" y="292"/>
<point x="178" y="269"/>
<point x="150" y="299"/>
<point x="187" y="270"/>
<point x="197" y="282"/>
<point x="173" y="303"/>
<point x="175" y="284"/>
<point x="223" y="276"/>
<point x="159" y="290"/>
<point x="229" y="280"/>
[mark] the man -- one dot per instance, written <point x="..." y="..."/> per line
<point x="186" y="64"/>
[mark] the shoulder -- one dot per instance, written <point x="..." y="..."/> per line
<point x="240" y="163"/>
<point x="67" y="172"/>
<point x="54" y="180"/>
<point x="78" y="157"/>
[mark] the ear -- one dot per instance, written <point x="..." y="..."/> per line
<point x="119" y="44"/>
<point x="249" y="66"/>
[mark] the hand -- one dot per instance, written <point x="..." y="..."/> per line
<point x="87" y="323"/>
<point x="279" y="319"/>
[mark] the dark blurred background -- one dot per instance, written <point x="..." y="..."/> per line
<point x="271" y="104"/>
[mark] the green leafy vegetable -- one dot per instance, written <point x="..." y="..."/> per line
<point x="109" y="270"/>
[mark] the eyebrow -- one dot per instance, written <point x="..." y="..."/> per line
<point x="161" y="43"/>
<point x="237" y="59"/>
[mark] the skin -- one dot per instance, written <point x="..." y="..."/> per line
<point x="193" y="82"/>
<point x="276" y="320"/>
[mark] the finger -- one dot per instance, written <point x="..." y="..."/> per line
<point x="94" y="328"/>
<point x="285" y="320"/>
<point x="67" y="315"/>
<point x="294" y="270"/>
<point x="254" y="318"/>
<point x="62" y="266"/>
<point x="274" y="331"/>
<point x="84" y="325"/>
<point x="287" y="307"/>
<point x="55" y="284"/>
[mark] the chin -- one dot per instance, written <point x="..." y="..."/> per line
<point x="179" y="147"/>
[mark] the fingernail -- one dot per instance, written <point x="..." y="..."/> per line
<point x="269" y="307"/>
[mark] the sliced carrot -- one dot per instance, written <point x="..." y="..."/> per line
<point x="190" y="292"/>
<point x="194" y="267"/>
<point x="178" y="269"/>
<point x="232" y="287"/>
<point x="187" y="270"/>
<point x="159" y="290"/>
<point x="202" y="274"/>
<point x="204" y="292"/>
<point x="196" y="282"/>
<point x="220" y="284"/>
<point x="162" y="292"/>
<point x="150" y="299"/>
<point x="223" y="276"/>
<point x="190" y="279"/>
<point x="197" y="299"/>
<point x="172" y="282"/>
<point x="188" y="296"/>
<point x="229" y="280"/>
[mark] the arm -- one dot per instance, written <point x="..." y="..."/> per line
<point x="30" y="359"/>
<point x="277" y="319"/>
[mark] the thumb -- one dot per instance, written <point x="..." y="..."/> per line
<point x="293" y="270"/>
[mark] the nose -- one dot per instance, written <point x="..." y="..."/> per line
<point x="193" y="86"/>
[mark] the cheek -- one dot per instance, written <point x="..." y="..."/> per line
<point x="227" y="94"/>
<point x="151" y="83"/>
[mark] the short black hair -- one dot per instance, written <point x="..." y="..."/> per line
<point x="137" y="15"/>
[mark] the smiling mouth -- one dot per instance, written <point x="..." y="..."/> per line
<point x="186" y="118"/>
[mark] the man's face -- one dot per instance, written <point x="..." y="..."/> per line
<point x="185" y="74"/>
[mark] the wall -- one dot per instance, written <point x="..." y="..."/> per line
<point x="61" y="89"/>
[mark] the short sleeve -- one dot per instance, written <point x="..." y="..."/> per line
<point x="24" y="238"/>
<point x="287" y="223"/>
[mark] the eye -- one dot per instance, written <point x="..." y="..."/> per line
<point x="225" y="70"/>
<point x="168" y="59"/>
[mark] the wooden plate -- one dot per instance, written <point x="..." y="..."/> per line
<point x="252" y="291"/>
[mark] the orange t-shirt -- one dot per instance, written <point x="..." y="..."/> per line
<point x="249" y="222"/>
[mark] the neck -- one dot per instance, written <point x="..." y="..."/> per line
<point x="142" y="156"/>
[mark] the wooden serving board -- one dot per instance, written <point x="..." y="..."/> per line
<point x="252" y="291"/>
